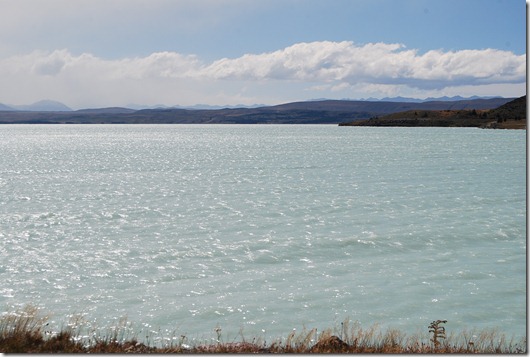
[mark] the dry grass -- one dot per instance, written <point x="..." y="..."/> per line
<point x="26" y="331"/>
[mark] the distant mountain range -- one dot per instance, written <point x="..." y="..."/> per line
<point x="55" y="106"/>
<point x="306" y="112"/>
<point x="40" y="106"/>
<point x="429" y="99"/>
<point x="196" y="106"/>
<point x="4" y="107"/>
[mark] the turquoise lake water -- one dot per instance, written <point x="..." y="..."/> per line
<point x="183" y="229"/>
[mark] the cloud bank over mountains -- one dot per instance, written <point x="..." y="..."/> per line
<point x="373" y="63"/>
<point x="318" y="69"/>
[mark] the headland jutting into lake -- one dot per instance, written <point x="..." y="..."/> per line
<point x="511" y="115"/>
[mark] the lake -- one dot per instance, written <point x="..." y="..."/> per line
<point x="259" y="229"/>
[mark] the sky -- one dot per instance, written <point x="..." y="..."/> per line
<point x="101" y="53"/>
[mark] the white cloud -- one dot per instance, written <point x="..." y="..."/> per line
<point x="330" y="67"/>
<point x="62" y="63"/>
<point x="51" y="64"/>
<point x="374" y="63"/>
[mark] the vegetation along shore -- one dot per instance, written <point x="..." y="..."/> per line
<point x="511" y="115"/>
<point x="27" y="331"/>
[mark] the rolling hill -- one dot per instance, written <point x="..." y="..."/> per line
<point x="310" y="112"/>
<point x="511" y="115"/>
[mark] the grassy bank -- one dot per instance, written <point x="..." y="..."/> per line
<point x="27" y="331"/>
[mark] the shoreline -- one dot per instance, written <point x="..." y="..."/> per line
<point x="511" y="115"/>
<point x="27" y="331"/>
<point x="412" y="122"/>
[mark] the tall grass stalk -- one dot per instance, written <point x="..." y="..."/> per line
<point x="27" y="331"/>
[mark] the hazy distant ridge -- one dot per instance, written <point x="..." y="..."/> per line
<point x="307" y="112"/>
<point x="44" y="106"/>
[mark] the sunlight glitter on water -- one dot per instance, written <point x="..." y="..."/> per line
<point x="265" y="227"/>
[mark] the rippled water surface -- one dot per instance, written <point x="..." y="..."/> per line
<point x="265" y="228"/>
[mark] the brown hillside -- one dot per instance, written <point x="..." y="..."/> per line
<point x="511" y="115"/>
